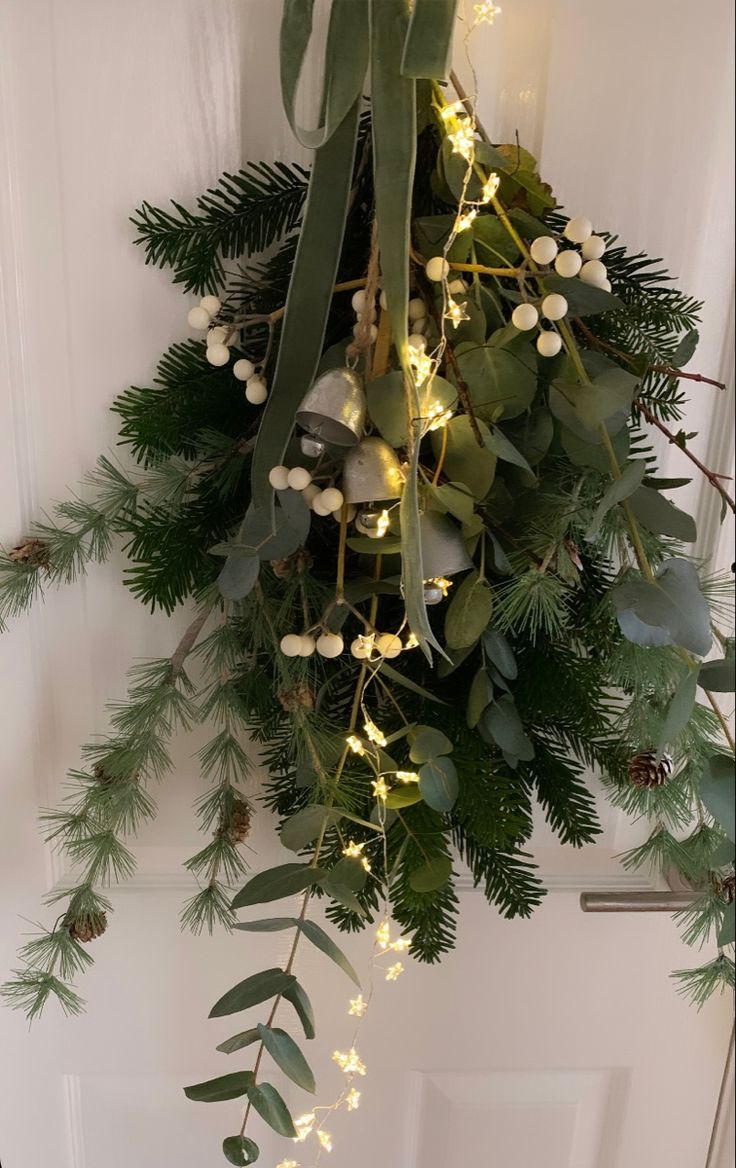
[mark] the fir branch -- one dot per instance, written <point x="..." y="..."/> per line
<point x="246" y="212"/>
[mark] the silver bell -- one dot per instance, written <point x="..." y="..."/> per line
<point x="371" y="473"/>
<point x="443" y="548"/>
<point x="433" y="594"/>
<point x="312" y="447"/>
<point x="334" y="408"/>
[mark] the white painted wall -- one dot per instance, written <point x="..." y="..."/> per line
<point x="577" y="1052"/>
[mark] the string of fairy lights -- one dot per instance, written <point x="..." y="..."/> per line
<point x="388" y="949"/>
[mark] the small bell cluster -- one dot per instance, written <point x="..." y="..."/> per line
<point x="585" y="264"/>
<point x="202" y="318"/>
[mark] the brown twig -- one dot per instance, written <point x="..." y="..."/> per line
<point x="679" y="373"/>
<point x="711" y="475"/>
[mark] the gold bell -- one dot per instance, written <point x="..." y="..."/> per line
<point x="371" y="473"/>
<point x="334" y="409"/>
<point x="443" y="548"/>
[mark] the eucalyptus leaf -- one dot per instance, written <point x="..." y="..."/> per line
<point x="679" y="712"/>
<point x="455" y="499"/>
<point x="238" y="576"/>
<point x="298" y="998"/>
<point x="465" y="461"/>
<point x="618" y="490"/>
<point x="276" y="883"/>
<point x="257" y="988"/>
<point x="685" y="350"/>
<point x="402" y="797"/>
<point x="501" y="561"/>
<point x="269" y="925"/>
<point x="287" y="1055"/>
<point x="727" y="930"/>
<point x="240" y="1150"/>
<point x="438" y="783"/>
<point x="500" y="653"/>
<point x="342" y="894"/>
<point x="323" y="941"/>
<point x="428" y="742"/>
<point x="469" y="611"/>
<point x="432" y="875"/>
<point x="266" y="1100"/>
<point x="499" y="379"/>
<point x="407" y="683"/>
<point x="387" y="405"/>
<point x="718" y="676"/>
<point x="305" y="825"/>
<point x="717" y="792"/>
<point x="661" y="517"/>
<point x="431" y="233"/>
<point x="593" y="453"/>
<point x="481" y="693"/>
<point x="221" y="1089"/>
<point x="501" y="719"/>
<point x="500" y="445"/>
<point x="670" y="611"/>
<point x="239" y="1041"/>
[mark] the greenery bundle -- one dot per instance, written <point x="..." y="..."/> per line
<point x="470" y="534"/>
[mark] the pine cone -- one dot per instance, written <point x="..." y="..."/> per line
<point x="299" y="697"/>
<point x="727" y="888"/>
<point x="281" y="569"/>
<point x="645" y="771"/>
<point x="88" y="928"/>
<point x="240" y="820"/>
<point x="31" y="551"/>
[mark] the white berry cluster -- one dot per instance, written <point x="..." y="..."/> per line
<point x="416" y="313"/>
<point x="327" y="501"/>
<point x="219" y="339"/>
<point x="366" y="647"/>
<point x="586" y="264"/>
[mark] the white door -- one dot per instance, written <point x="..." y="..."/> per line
<point x="555" y="1043"/>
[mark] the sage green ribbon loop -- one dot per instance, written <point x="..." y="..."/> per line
<point x="394" y="158"/>
<point x="309" y="299"/>
<point x="346" y="63"/>
<point x="428" y="45"/>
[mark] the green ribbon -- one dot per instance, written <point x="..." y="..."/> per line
<point x="346" y="62"/>
<point x="428" y="45"/>
<point x="308" y="300"/>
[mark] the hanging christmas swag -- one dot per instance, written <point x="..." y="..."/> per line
<point x="405" y="478"/>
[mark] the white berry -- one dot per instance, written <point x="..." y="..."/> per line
<point x="524" y="317"/>
<point x="420" y="325"/>
<point x="243" y="369"/>
<point x="372" y="332"/>
<point x="554" y="306"/>
<point x="308" y="645"/>
<point x="389" y="645"/>
<point x="457" y="287"/>
<point x="256" y="392"/>
<point x="210" y="304"/>
<point x="579" y="229"/>
<point x="383" y="301"/>
<point x="606" y="285"/>
<point x="594" y="272"/>
<point x="370" y="313"/>
<point x="318" y="506"/>
<point x="218" y="354"/>
<point x="568" y="264"/>
<point x="359" y="649"/>
<point x="417" y="341"/>
<point x="594" y="248"/>
<point x="198" y="319"/>
<point x="437" y="268"/>
<point x="549" y="344"/>
<point x="330" y="645"/>
<point x="544" y="249"/>
<point x="358" y="300"/>
<point x="332" y="499"/>
<point x="416" y="309"/>
<point x="291" y="645"/>
<point x="299" y="478"/>
<point x="217" y="335"/>
<point x="310" y="492"/>
<point x="278" y="477"/>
